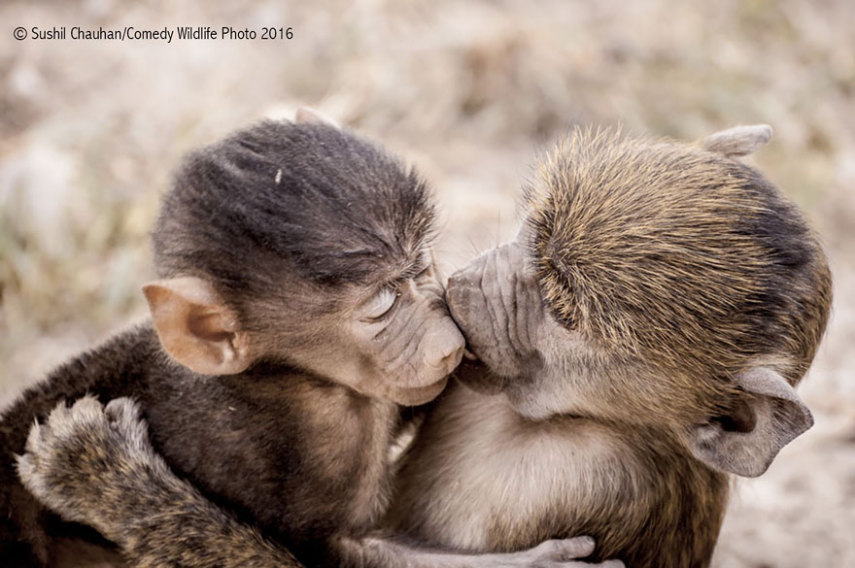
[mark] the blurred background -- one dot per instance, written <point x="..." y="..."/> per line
<point x="469" y="93"/>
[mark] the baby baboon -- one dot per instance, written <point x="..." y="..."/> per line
<point x="299" y="297"/>
<point x="639" y="340"/>
<point x="645" y="332"/>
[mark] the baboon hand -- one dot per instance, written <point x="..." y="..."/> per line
<point x="560" y="553"/>
<point x="93" y="464"/>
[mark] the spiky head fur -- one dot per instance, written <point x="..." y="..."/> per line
<point x="686" y="259"/>
<point x="279" y="207"/>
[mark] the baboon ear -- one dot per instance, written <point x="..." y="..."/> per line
<point x="306" y="115"/>
<point x="738" y="141"/>
<point x="196" y="327"/>
<point x="768" y="417"/>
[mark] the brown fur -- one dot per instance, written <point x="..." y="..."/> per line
<point x="643" y="499"/>
<point x="686" y="259"/>
<point x="666" y="274"/>
<point x="634" y="237"/>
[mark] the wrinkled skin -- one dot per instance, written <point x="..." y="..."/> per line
<point x="296" y="310"/>
<point x="530" y="425"/>
<point x="86" y="434"/>
<point x="496" y="303"/>
<point x="412" y="346"/>
<point x="560" y="394"/>
<point x="618" y="421"/>
<point x="543" y="368"/>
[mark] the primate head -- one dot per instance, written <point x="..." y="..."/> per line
<point x="302" y="244"/>
<point x="654" y="283"/>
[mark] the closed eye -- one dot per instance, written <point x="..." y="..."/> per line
<point x="381" y="304"/>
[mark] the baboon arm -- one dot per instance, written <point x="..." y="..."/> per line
<point x="95" y="465"/>
<point x="376" y="552"/>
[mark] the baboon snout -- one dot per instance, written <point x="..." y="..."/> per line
<point x="467" y="304"/>
<point x="461" y="288"/>
<point x="444" y="347"/>
<point x="481" y="287"/>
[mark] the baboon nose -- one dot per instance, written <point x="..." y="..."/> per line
<point x="457" y="295"/>
<point x="453" y="358"/>
<point x="450" y="350"/>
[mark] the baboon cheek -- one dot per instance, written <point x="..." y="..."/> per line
<point x="418" y="395"/>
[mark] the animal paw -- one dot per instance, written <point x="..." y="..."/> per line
<point x="86" y="462"/>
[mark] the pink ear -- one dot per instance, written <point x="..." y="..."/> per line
<point x="779" y="416"/>
<point x="196" y="327"/>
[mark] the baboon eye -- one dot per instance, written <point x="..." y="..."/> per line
<point x="380" y="304"/>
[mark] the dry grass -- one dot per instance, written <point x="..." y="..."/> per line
<point x="468" y="91"/>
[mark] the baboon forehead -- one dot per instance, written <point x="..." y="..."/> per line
<point x="318" y="198"/>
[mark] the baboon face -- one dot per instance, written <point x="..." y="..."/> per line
<point x="303" y="244"/>
<point x="394" y="340"/>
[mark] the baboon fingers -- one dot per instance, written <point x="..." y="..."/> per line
<point x="26" y="468"/>
<point x="122" y="410"/>
<point x="125" y="417"/>
<point x="33" y="465"/>
<point x="559" y="550"/>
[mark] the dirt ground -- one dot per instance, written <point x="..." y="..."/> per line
<point x="468" y="92"/>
